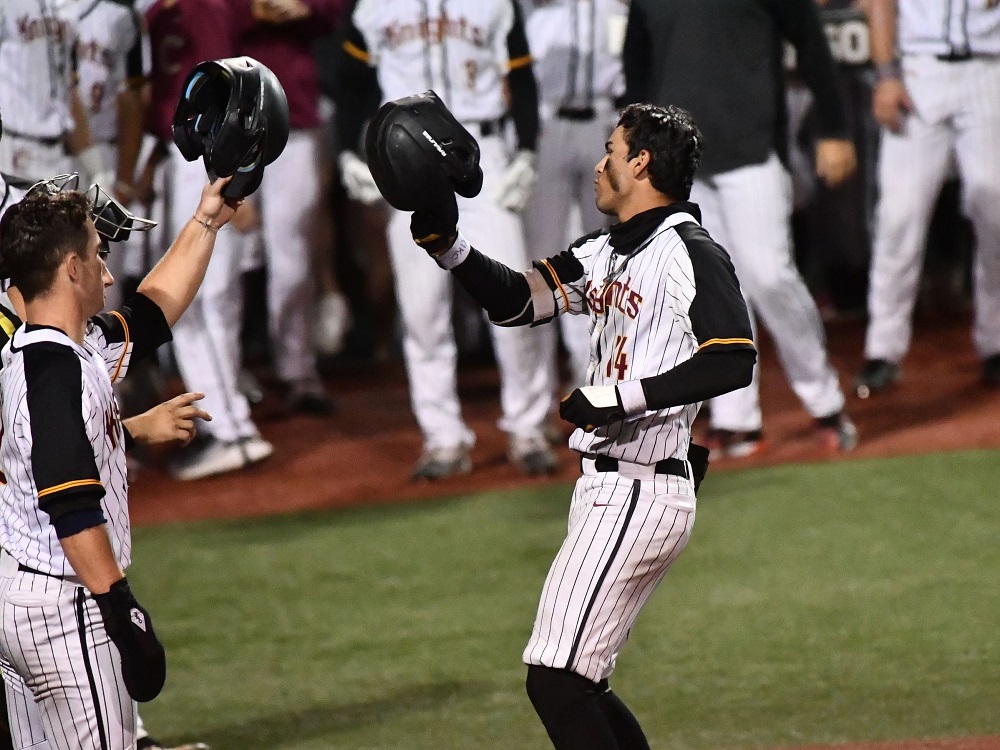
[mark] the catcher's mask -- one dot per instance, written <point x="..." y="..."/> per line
<point x="113" y="221"/>
<point x="417" y="151"/>
<point x="233" y="112"/>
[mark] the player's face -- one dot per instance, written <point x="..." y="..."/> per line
<point x="611" y="175"/>
<point x="97" y="277"/>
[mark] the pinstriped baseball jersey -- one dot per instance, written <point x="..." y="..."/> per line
<point x="930" y="27"/>
<point x="62" y="429"/>
<point x="460" y="52"/>
<point x="36" y="57"/>
<point x="644" y="322"/>
<point x="108" y="52"/>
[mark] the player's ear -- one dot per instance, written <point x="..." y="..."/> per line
<point x="640" y="163"/>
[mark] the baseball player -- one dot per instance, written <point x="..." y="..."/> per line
<point x="45" y="117"/>
<point x="576" y="47"/>
<point x="670" y="329"/>
<point x="722" y="61"/>
<point x="65" y="531"/>
<point x="468" y="51"/>
<point x="937" y="98"/>
<point x="171" y="422"/>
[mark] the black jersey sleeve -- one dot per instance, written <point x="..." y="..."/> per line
<point x="522" y="84"/>
<point x="356" y="88"/>
<point x="133" y="332"/>
<point x="62" y="458"/>
<point x="719" y="316"/>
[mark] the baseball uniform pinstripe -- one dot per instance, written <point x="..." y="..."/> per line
<point x="951" y="71"/>
<point x="462" y="54"/>
<point x="53" y="644"/>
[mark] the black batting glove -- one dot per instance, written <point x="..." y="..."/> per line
<point x="144" y="662"/>
<point x="592" y="406"/>
<point x="436" y="229"/>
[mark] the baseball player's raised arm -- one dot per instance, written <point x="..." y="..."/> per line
<point x="131" y="333"/>
<point x="174" y="280"/>
<point x="800" y="23"/>
<point x="63" y="467"/>
<point x="522" y="84"/>
<point x="357" y="89"/>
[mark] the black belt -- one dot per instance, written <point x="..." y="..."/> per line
<point x="673" y="466"/>
<point x="490" y="127"/>
<point x="44" y="141"/>
<point x="25" y="569"/>
<point x="576" y="113"/>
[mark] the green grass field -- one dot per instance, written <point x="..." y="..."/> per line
<point x="849" y="601"/>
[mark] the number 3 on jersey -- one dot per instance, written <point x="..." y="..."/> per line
<point x="619" y="359"/>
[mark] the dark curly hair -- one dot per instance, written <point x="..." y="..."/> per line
<point x="36" y="234"/>
<point x="673" y="141"/>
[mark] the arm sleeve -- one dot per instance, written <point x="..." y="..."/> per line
<point x="522" y="84"/>
<point x="801" y="24"/>
<point x="63" y="467"/>
<point x="706" y="375"/>
<point x="636" y="56"/>
<point x="357" y="91"/>
<point x="133" y="332"/>
<point x="134" y="67"/>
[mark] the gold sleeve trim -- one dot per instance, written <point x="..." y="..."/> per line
<point x="519" y="62"/>
<point x="7" y="325"/>
<point x="121" y="359"/>
<point x="711" y="342"/>
<point x="555" y="277"/>
<point x="356" y="52"/>
<point x="70" y="485"/>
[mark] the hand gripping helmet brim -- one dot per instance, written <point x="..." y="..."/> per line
<point x="234" y="114"/>
<point x="418" y="153"/>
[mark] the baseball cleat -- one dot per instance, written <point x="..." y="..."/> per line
<point x="837" y="432"/>
<point x="875" y="376"/>
<point x="217" y="457"/>
<point x="308" y="397"/>
<point x="991" y="371"/>
<point x="438" y="463"/>
<point x="734" y="443"/>
<point x="532" y="456"/>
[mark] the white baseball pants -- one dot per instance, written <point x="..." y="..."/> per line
<point x="62" y="673"/>
<point x="567" y="155"/>
<point x="423" y="291"/>
<point x="32" y="160"/>
<point x="747" y="211"/>
<point x="624" y="534"/>
<point x="956" y="110"/>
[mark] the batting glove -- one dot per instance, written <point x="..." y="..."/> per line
<point x="130" y="628"/>
<point x="436" y="229"/>
<point x="516" y="183"/>
<point x="357" y="179"/>
<point x="592" y="406"/>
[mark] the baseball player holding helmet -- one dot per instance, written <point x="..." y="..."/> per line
<point x="472" y="52"/>
<point x="670" y="329"/>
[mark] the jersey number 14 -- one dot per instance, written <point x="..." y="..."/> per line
<point x="618" y="360"/>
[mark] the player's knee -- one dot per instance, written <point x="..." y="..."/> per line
<point x="555" y="692"/>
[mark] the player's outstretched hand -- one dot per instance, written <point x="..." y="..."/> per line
<point x="592" y="406"/>
<point x="516" y="183"/>
<point x="436" y="229"/>
<point x="130" y="628"/>
<point x="172" y="421"/>
<point x="214" y="207"/>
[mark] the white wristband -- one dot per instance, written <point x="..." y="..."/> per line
<point x="455" y="254"/>
<point x="632" y="396"/>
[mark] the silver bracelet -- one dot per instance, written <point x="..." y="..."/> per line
<point x="207" y="224"/>
<point x="888" y="71"/>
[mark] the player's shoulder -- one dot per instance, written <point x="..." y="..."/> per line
<point x="45" y="350"/>
<point x="596" y="235"/>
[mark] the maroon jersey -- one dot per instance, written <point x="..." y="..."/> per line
<point x="287" y="49"/>
<point x="183" y="33"/>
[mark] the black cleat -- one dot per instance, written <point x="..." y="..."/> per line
<point x="875" y="376"/>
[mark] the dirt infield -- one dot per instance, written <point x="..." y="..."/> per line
<point x="364" y="453"/>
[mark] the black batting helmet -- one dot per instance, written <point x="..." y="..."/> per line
<point x="417" y="151"/>
<point x="233" y="112"/>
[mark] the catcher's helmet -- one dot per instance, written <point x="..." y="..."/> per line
<point x="417" y="151"/>
<point x="234" y="113"/>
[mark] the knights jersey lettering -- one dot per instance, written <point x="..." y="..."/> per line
<point x="417" y="46"/>
<point x="61" y="429"/>
<point x="645" y="320"/>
